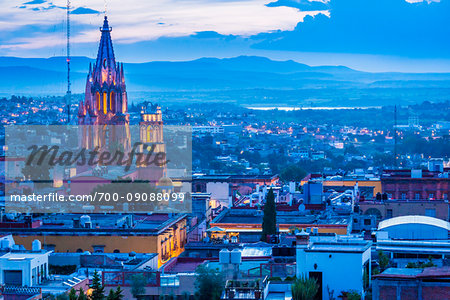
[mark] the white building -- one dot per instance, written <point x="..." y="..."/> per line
<point x="415" y="227"/>
<point x="208" y="129"/>
<point x="402" y="252"/>
<point x="24" y="268"/>
<point x="338" y="264"/>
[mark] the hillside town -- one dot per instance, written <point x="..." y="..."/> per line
<point x="283" y="204"/>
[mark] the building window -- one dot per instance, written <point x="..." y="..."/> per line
<point x="445" y="196"/>
<point x="417" y="196"/>
<point x="105" y="103"/>
<point x="430" y="212"/>
<point x="403" y="196"/>
<point x="431" y="196"/>
<point x="98" y="248"/>
<point x="389" y="213"/>
<point x="367" y="222"/>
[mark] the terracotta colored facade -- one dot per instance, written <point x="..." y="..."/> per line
<point x="401" y="184"/>
<point x="396" y="208"/>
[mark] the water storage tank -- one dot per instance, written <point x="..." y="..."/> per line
<point x="5" y="244"/>
<point x="235" y="256"/>
<point x="36" y="245"/>
<point x="224" y="256"/>
<point x="85" y="221"/>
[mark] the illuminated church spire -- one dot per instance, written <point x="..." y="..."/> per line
<point x="105" y="95"/>
<point x="105" y="56"/>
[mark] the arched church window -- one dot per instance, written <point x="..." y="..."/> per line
<point x="112" y="102"/>
<point x="97" y="100"/>
<point x="105" y="103"/>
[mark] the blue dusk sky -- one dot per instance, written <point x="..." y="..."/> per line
<point x="372" y="35"/>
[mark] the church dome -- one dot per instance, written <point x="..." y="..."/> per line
<point x="165" y="181"/>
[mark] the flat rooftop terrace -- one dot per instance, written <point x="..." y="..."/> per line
<point x="101" y="223"/>
<point x="252" y="216"/>
<point x="343" y="247"/>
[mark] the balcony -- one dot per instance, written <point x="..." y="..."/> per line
<point x="245" y="289"/>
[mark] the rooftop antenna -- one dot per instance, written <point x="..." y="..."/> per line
<point x="395" y="135"/>
<point x="69" y="93"/>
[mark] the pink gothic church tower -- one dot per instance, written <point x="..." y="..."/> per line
<point x="105" y="100"/>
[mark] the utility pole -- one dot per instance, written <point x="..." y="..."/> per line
<point x="69" y="93"/>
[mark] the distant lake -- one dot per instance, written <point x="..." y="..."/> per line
<point x="289" y="108"/>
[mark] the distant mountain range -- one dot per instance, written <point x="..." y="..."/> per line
<point x="41" y="76"/>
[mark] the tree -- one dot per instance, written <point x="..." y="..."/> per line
<point x="115" y="294"/>
<point x="350" y="295"/>
<point x="62" y="297"/>
<point x="81" y="295"/>
<point x="138" y="282"/>
<point x="428" y="264"/>
<point x="118" y="293"/>
<point x="383" y="260"/>
<point x="38" y="173"/>
<point x="73" y="294"/>
<point x="269" y="225"/>
<point x="111" y="295"/>
<point x="292" y="173"/>
<point x="98" y="289"/>
<point x="304" y="288"/>
<point x="209" y="283"/>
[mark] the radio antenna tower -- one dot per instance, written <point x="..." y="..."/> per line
<point x="69" y="93"/>
<point x="395" y="135"/>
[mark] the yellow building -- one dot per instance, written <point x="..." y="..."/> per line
<point x="157" y="233"/>
<point x="376" y="184"/>
<point x="350" y="183"/>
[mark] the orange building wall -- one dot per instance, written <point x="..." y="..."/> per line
<point x="64" y="243"/>
<point x="376" y="184"/>
<point x="125" y="244"/>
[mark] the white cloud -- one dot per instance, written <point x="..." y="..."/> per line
<point x="141" y="20"/>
